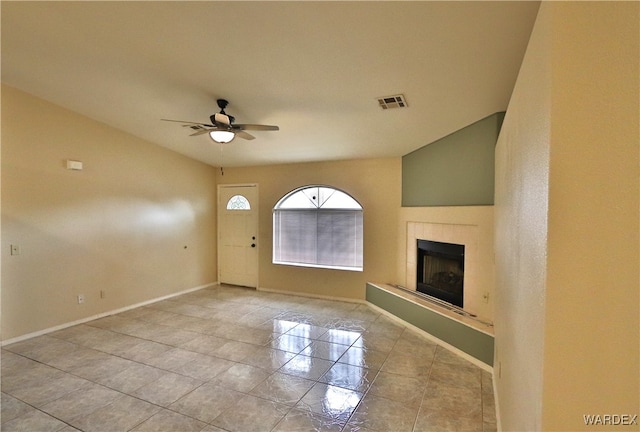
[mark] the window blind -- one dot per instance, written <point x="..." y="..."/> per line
<point x="318" y="237"/>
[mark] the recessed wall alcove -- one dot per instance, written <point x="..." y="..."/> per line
<point x="471" y="226"/>
<point x="449" y="233"/>
<point x="447" y="196"/>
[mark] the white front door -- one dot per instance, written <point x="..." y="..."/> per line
<point x="238" y="235"/>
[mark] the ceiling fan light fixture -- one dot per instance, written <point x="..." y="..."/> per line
<point x="222" y="129"/>
<point x="222" y="137"/>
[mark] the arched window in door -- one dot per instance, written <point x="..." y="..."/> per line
<point x="318" y="226"/>
<point x="238" y="202"/>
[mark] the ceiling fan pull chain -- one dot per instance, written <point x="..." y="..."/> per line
<point x="221" y="159"/>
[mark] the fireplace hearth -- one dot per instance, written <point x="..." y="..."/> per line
<point x="440" y="271"/>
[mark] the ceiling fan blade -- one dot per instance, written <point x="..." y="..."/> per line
<point x="243" y="134"/>
<point x="202" y="131"/>
<point x="185" y="122"/>
<point x="256" y="127"/>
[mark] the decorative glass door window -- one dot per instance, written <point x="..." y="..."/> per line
<point x="238" y="202"/>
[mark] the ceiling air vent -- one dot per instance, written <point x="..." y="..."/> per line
<point x="396" y="101"/>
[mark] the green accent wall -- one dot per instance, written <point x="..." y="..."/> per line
<point x="469" y="340"/>
<point x="457" y="170"/>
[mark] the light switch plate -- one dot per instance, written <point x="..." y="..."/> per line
<point x="74" y="165"/>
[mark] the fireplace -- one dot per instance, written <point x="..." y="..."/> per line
<point x="440" y="271"/>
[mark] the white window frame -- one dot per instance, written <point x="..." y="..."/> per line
<point x="323" y="239"/>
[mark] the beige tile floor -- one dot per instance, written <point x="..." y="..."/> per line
<point x="233" y="359"/>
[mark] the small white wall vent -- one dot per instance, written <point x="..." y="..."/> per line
<point x="396" y="101"/>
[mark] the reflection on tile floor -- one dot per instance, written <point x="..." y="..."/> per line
<point x="233" y="359"/>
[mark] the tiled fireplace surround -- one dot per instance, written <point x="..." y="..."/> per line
<point x="469" y="229"/>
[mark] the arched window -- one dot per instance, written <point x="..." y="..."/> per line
<point x="238" y="202"/>
<point x="318" y="226"/>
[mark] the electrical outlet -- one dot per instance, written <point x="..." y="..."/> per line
<point x="15" y="249"/>
<point x="80" y="298"/>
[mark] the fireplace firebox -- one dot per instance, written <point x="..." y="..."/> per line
<point x="441" y="271"/>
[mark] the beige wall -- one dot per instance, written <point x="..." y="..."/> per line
<point x="567" y="318"/>
<point x="121" y="225"/>
<point x="522" y="159"/>
<point x="375" y="183"/>
<point x="593" y="255"/>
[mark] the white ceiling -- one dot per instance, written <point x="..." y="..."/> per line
<point x="313" y="68"/>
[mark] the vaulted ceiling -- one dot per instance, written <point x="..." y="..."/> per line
<point x="315" y="69"/>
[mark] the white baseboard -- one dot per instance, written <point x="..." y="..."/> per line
<point x="316" y="296"/>
<point x="101" y="315"/>
<point x="497" y="402"/>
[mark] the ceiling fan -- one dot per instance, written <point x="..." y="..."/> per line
<point x="222" y="128"/>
